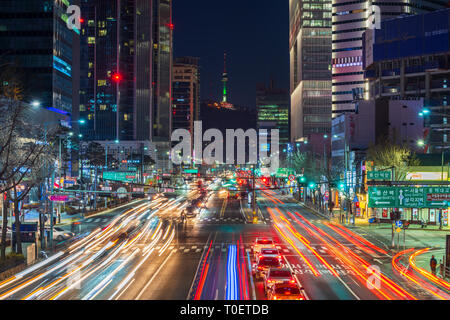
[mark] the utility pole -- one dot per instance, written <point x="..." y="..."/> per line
<point x="254" y="194"/>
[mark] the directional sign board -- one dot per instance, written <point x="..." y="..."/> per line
<point x="119" y="176"/>
<point x="379" y="175"/>
<point x="409" y="197"/>
<point x="382" y="197"/>
<point x="437" y="197"/>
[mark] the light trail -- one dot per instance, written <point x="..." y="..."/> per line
<point x="286" y="237"/>
<point x="425" y="273"/>
<point x="232" y="285"/>
<point x="362" y="263"/>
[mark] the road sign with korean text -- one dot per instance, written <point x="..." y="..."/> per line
<point x="379" y="175"/>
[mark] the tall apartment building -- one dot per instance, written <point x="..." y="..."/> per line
<point x="272" y="110"/>
<point x="115" y="95"/>
<point x="310" y="70"/>
<point x="43" y="51"/>
<point x="350" y="19"/>
<point x="409" y="58"/>
<point x="186" y="93"/>
<point x="126" y="65"/>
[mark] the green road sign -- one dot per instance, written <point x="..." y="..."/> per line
<point x="382" y="197"/>
<point x="119" y="176"/>
<point x="437" y="197"/>
<point x="379" y="175"/>
<point x="191" y="171"/>
<point x="409" y="197"/>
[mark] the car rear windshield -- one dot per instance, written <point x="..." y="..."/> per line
<point x="269" y="262"/>
<point x="264" y="241"/>
<point x="287" y="290"/>
<point x="280" y="274"/>
<point x="269" y="251"/>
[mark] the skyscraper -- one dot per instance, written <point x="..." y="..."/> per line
<point x="37" y="42"/>
<point x="350" y="20"/>
<point x="186" y="93"/>
<point x="272" y="108"/>
<point x="310" y="73"/>
<point x="162" y="70"/>
<point x="115" y="93"/>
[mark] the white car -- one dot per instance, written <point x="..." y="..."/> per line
<point x="261" y="243"/>
<point x="60" y="234"/>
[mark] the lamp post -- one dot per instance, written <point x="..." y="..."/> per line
<point x="346" y="184"/>
<point x="81" y="121"/>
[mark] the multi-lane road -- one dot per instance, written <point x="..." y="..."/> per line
<point x="144" y="251"/>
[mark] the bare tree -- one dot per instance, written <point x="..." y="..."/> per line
<point x="22" y="155"/>
<point x="388" y="155"/>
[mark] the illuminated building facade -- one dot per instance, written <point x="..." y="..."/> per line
<point x="43" y="51"/>
<point x="272" y="108"/>
<point x="115" y="95"/>
<point x="350" y="19"/>
<point x="186" y="93"/>
<point x="310" y="70"/>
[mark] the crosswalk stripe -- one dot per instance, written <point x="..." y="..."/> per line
<point x="194" y="247"/>
<point x="198" y="250"/>
<point x="186" y="250"/>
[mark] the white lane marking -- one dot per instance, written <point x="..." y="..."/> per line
<point x="128" y="285"/>
<point x="154" y="276"/>
<point x="348" y="288"/>
<point x="186" y="250"/>
<point x="199" y="263"/>
<point x="198" y="250"/>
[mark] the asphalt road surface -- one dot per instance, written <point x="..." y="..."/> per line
<point x="146" y="251"/>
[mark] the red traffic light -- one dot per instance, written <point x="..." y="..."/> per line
<point x="117" y="77"/>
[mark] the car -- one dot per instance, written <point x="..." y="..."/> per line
<point x="283" y="291"/>
<point x="269" y="252"/>
<point x="60" y="234"/>
<point x="275" y="276"/>
<point x="264" y="263"/>
<point x="191" y="211"/>
<point x="262" y="243"/>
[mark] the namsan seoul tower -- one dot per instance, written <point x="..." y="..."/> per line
<point x="224" y="77"/>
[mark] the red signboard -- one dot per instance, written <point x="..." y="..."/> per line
<point x="130" y="177"/>
<point x="438" y="197"/>
<point x="59" y="198"/>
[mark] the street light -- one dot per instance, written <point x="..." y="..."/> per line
<point x="420" y="143"/>
<point x="35" y="104"/>
<point x="81" y="121"/>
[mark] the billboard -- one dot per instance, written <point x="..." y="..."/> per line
<point x="412" y="36"/>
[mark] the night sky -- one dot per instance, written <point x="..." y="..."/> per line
<point x="255" y="35"/>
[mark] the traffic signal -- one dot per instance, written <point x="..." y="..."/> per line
<point x="341" y="186"/>
<point x="312" y="185"/>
